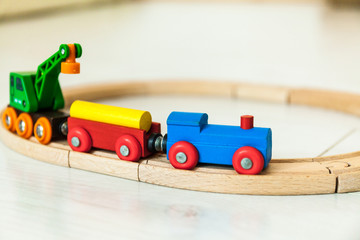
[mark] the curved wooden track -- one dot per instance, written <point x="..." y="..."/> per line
<point x="333" y="174"/>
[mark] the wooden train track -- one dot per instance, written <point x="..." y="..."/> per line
<point x="318" y="175"/>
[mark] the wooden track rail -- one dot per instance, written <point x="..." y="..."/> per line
<point x="333" y="174"/>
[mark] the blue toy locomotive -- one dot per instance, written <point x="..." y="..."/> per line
<point x="190" y="139"/>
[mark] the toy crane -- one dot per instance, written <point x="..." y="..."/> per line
<point x="36" y="97"/>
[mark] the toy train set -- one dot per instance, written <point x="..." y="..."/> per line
<point x="37" y="98"/>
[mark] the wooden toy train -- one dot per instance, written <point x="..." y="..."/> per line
<point x="37" y="97"/>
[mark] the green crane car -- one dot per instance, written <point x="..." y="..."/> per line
<point x="37" y="97"/>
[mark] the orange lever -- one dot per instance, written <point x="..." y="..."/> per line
<point x="70" y="66"/>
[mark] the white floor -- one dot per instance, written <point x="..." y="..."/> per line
<point x="301" y="45"/>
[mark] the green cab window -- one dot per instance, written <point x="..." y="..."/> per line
<point x="19" y="85"/>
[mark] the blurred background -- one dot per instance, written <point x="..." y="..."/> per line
<point x="23" y="8"/>
<point x="310" y="43"/>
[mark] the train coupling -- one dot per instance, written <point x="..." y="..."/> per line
<point x="157" y="143"/>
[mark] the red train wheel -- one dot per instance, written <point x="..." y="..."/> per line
<point x="79" y="140"/>
<point x="9" y="119"/>
<point x="128" y="148"/>
<point x="248" y="160"/>
<point x="24" y="125"/>
<point x="43" y="130"/>
<point x="183" y="155"/>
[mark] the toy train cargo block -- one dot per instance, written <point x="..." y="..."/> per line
<point x="113" y="115"/>
<point x="190" y="139"/>
<point x="129" y="143"/>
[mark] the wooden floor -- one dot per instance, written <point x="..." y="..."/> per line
<point x="291" y="176"/>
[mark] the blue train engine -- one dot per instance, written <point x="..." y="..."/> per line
<point x="191" y="140"/>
